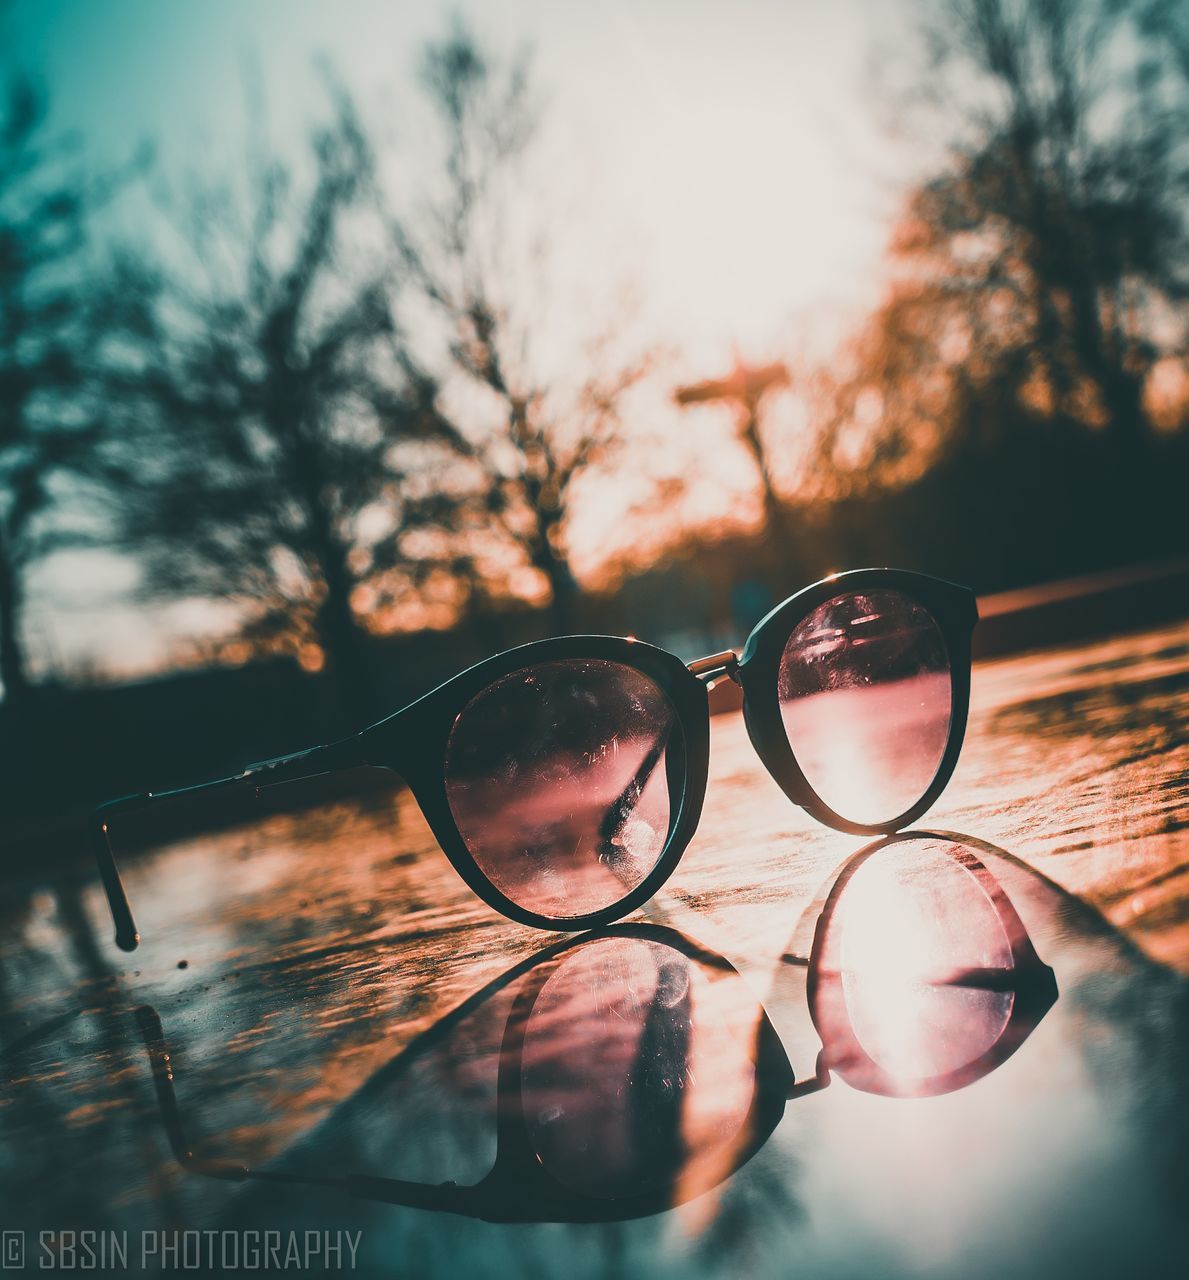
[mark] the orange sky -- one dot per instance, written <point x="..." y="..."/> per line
<point x="727" y="163"/>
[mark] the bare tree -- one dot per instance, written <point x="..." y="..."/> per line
<point x="284" y="415"/>
<point x="531" y="439"/>
<point x="48" y="421"/>
<point x="1047" y="264"/>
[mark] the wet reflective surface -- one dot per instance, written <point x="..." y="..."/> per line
<point x="954" y="1054"/>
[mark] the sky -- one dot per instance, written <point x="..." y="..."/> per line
<point x="731" y="163"/>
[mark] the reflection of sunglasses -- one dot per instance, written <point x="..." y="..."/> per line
<point x="564" y="779"/>
<point x="910" y="949"/>
<point x="636" y="1072"/>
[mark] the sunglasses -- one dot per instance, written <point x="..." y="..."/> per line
<point x="565" y="778"/>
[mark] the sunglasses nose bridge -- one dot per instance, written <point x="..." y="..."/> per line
<point x="715" y="665"/>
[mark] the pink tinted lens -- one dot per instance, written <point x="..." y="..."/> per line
<point x="866" y="699"/>
<point x="564" y="780"/>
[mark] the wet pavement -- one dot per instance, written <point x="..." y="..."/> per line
<point x="960" y="1053"/>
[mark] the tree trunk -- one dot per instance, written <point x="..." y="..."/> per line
<point x="12" y="656"/>
<point x="1105" y="361"/>
<point x="563" y="604"/>
<point x="341" y="636"/>
<point x="1122" y="395"/>
<point x="337" y="632"/>
<point x="563" y="590"/>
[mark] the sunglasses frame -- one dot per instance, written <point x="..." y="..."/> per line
<point x="953" y="608"/>
<point x="413" y="741"/>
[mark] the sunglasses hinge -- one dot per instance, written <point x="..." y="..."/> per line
<point x="715" y="665"/>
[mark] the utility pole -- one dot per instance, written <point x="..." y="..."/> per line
<point x="744" y="388"/>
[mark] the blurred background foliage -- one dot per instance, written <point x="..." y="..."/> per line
<point x="347" y="404"/>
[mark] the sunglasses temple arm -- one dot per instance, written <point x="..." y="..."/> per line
<point x="447" y="1198"/>
<point x="153" y="1034"/>
<point x="127" y="935"/>
<point x="310" y="763"/>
